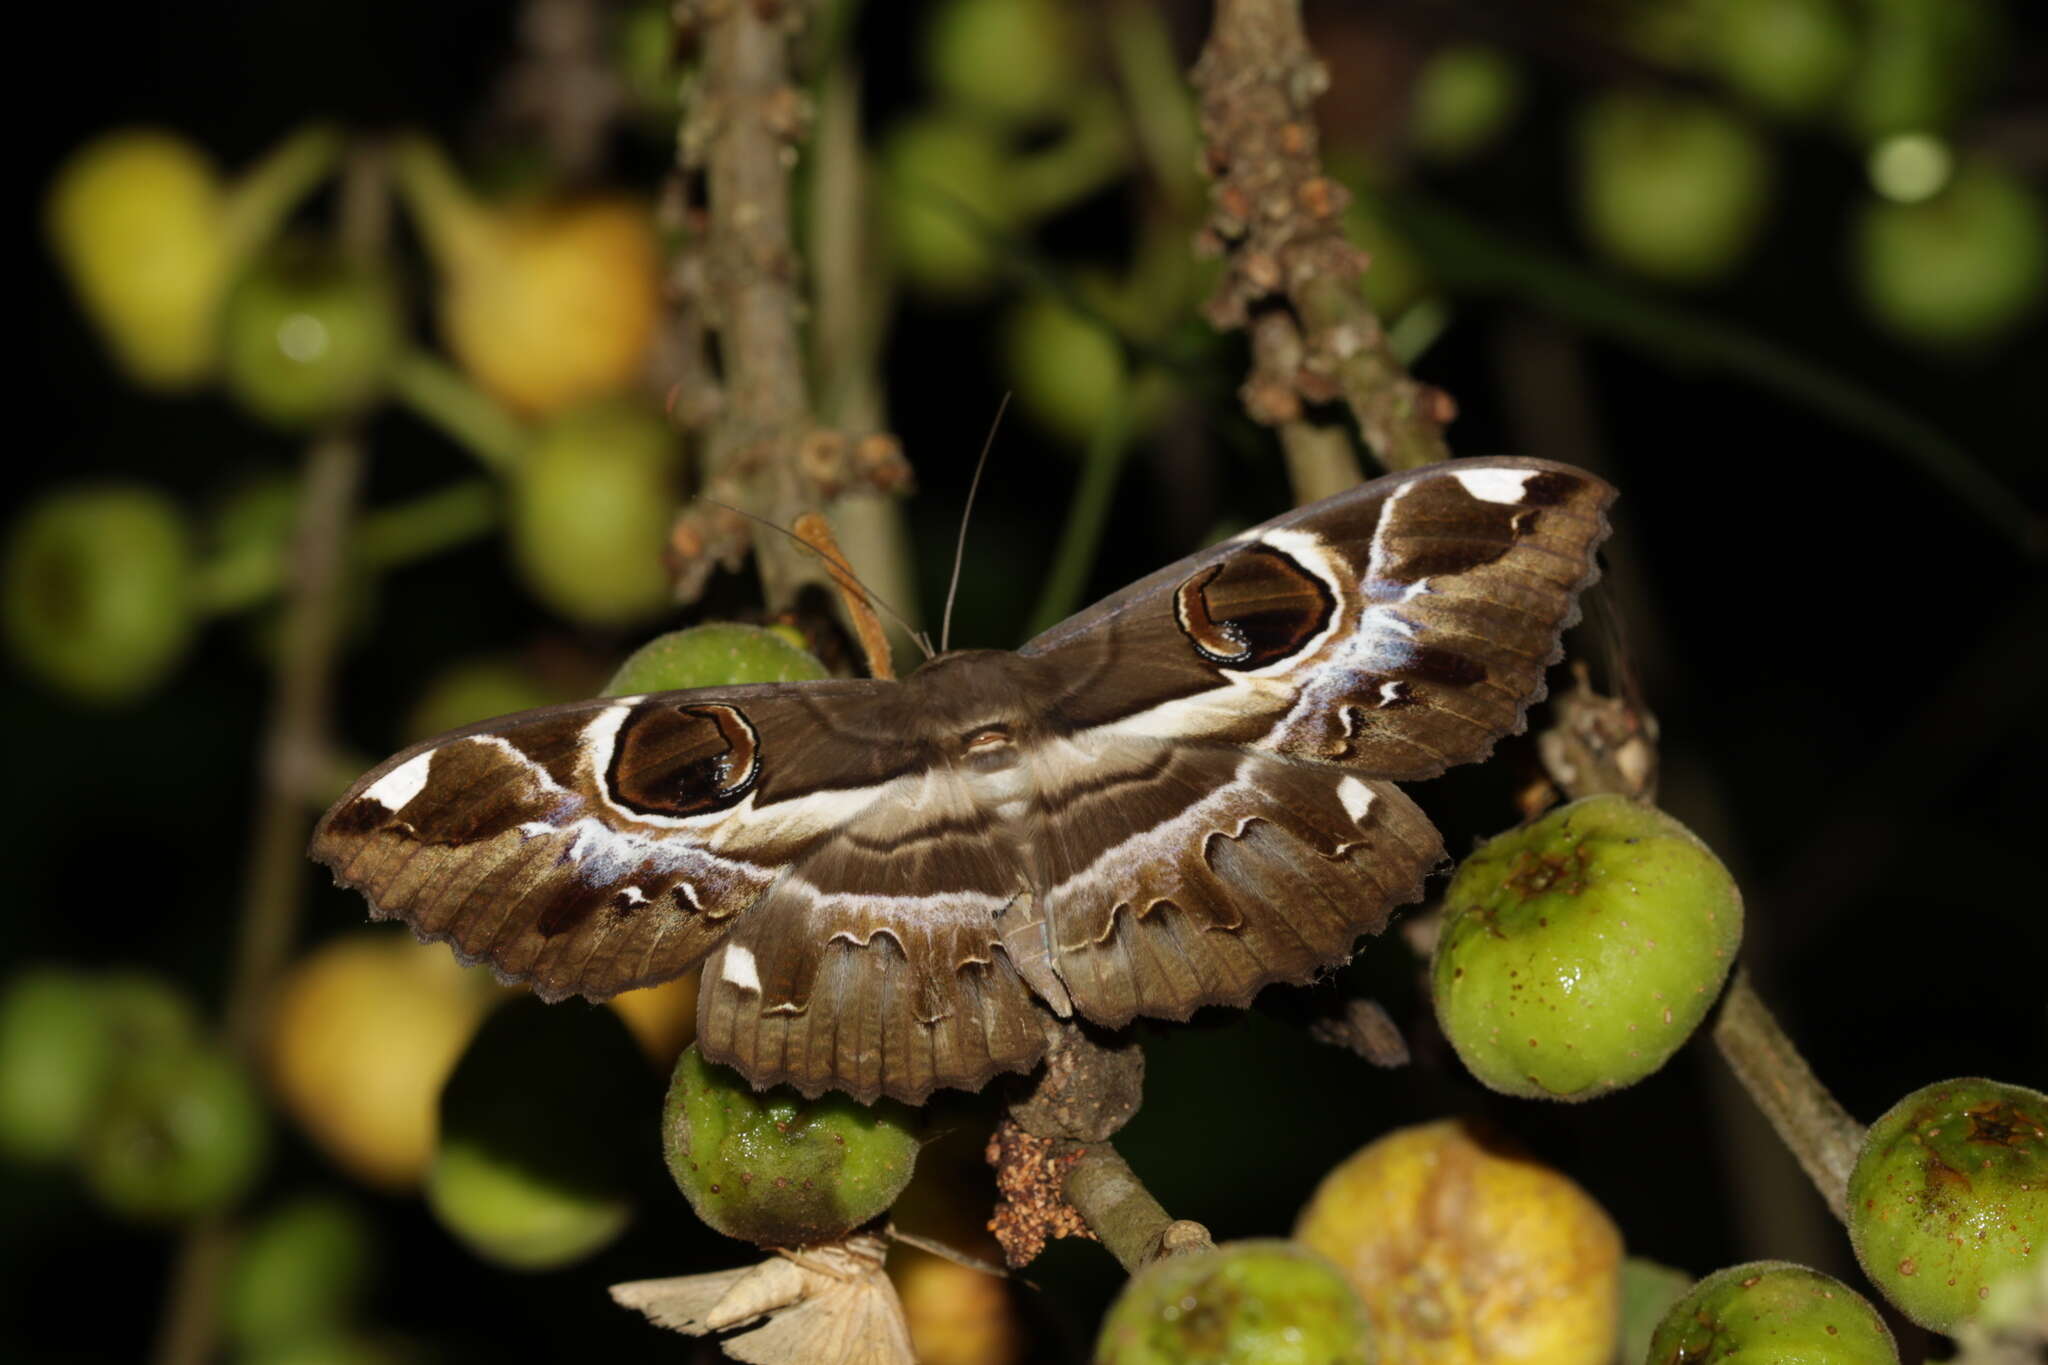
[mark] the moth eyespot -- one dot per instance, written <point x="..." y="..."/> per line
<point x="683" y="760"/>
<point x="1254" y="608"/>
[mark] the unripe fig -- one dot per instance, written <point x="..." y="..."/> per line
<point x="363" y="1032"/>
<point x="182" y="1133"/>
<point x="1580" y="951"/>
<point x="299" y="1271"/>
<point x="1008" y="60"/>
<point x="718" y="654"/>
<point x="99" y="596"/>
<point x="1263" y="1302"/>
<point x="533" y="1165"/>
<point x="1673" y="187"/>
<point x="309" y="334"/>
<point x="1963" y="268"/>
<point x="57" y="1058"/>
<point x="776" y="1169"/>
<point x="547" y="304"/>
<point x="136" y="218"/>
<point x="947" y="193"/>
<point x="1466" y="1251"/>
<point x="1792" y="57"/>
<point x="592" y="500"/>
<point x="1068" y="369"/>
<point x="1950" y="1194"/>
<point x="1770" y="1311"/>
<point x="478" y="689"/>
<point x="1923" y="63"/>
<point x="1465" y="97"/>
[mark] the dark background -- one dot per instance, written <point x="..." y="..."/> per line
<point x="1846" y="660"/>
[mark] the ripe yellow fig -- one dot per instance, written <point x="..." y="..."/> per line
<point x="1465" y="1251"/>
<point x="957" y="1315"/>
<point x="135" y="217"/>
<point x="363" y="1032"/>
<point x="546" y="303"/>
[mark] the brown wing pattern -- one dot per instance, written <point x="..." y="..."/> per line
<point x="1170" y="801"/>
<point x="1397" y="629"/>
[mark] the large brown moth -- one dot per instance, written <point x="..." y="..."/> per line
<point x="1170" y="800"/>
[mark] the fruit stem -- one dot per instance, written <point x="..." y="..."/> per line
<point x="1820" y="1133"/>
<point x="1088" y="514"/>
<point x="1122" y="1213"/>
<point x="265" y="195"/>
<point x="442" y="396"/>
<point x="448" y="214"/>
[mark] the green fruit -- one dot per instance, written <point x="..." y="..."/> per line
<point x="1962" y="269"/>
<point x="474" y="690"/>
<point x="1647" y="1292"/>
<point x="1772" y="1313"/>
<point x="57" y="1059"/>
<point x="99" y="591"/>
<point x="947" y="192"/>
<point x="138" y="220"/>
<point x="1580" y="951"/>
<point x="778" y="1170"/>
<point x="309" y="335"/>
<point x="716" y="655"/>
<point x="300" y="1271"/>
<point x="1068" y="369"/>
<point x="535" y="1157"/>
<point x="1791" y="57"/>
<point x="1268" y="1302"/>
<point x="1923" y="64"/>
<point x="1950" y="1194"/>
<point x="1010" y="60"/>
<point x="592" y="500"/>
<point x="1465" y="97"/>
<point x="182" y="1133"/>
<point x="1671" y="186"/>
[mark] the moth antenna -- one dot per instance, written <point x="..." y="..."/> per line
<point x="917" y="637"/>
<point x="967" y="512"/>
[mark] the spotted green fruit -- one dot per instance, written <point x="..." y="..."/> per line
<point x="776" y="1169"/>
<point x="715" y="655"/>
<point x="1672" y="187"/>
<point x="299" y="1270"/>
<point x="1949" y="1194"/>
<point x="309" y="334"/>
<point x="182" y="1133"/>
<point x="98" y="591"/>
<point x="1772" y="1313"/>
<point x="591" y="504"/>
<point x="533" y="1164"/>
<point x="1267" y="1302"/>
<point x="1580" y="951"/>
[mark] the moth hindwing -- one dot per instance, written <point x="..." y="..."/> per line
<point x="1171" y="800"/>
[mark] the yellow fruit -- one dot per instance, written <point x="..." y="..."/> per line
<point x="363" y="1032"/>
<point x="1465" y="1251"/>
<point x="662" y="1019"/>
<point x="958" y="1315"/>
<point x="137" y="219"/>
<point x="546" y="304"/>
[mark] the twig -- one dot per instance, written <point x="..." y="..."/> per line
<point x="438" y="393"/>
<point x="1276" y="220"/>
<point x="294" y="742"/>
<point x="739" y="131"/>
<point x="1820" y="1133"/>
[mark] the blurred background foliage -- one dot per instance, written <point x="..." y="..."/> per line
<point x="1776" y="267"/>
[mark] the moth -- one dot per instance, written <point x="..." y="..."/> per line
<point x="1173" y="799"/>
